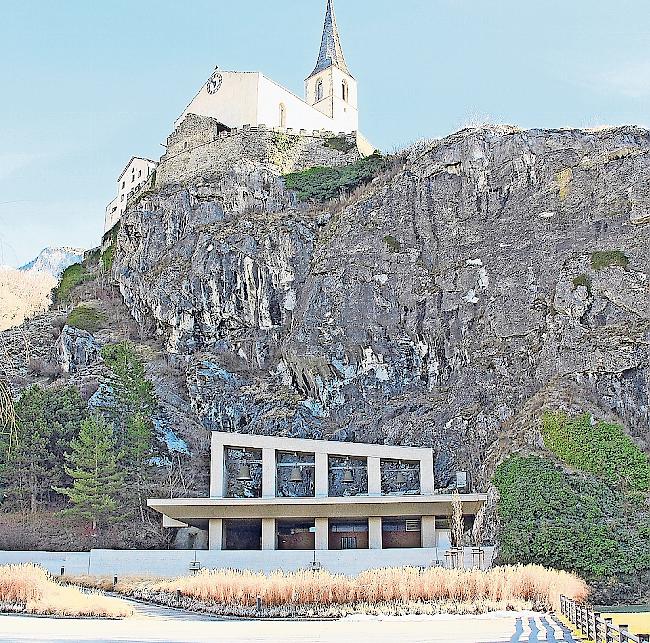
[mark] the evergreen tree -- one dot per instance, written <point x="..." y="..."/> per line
<point x="46" y="422"/>
<point x="97" y="478"/>
<point x="132" y="415"/>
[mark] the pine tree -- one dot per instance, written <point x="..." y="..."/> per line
<point x="46" y="422"/>
<point x="97" y="478"/>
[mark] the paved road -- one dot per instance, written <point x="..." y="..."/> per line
<point x="160" y="625"/>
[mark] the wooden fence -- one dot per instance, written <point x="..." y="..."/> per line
<point x="596" y="628"/>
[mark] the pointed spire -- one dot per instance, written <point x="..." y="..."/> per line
<point x="331" y="52"/>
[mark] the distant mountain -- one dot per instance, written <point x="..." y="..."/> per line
<point x="54" y="260"/>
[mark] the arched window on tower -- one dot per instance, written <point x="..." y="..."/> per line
<point x="346" y="91"/>
<point x="283" y="115"/>
<point x="319" y="90"/>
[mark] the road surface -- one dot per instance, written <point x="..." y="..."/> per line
<point x="162" y="625"/>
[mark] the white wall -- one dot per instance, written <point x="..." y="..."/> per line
<point x="234" y="104"/>
<point x="299" y="114"/>
<point x="171" y="563"/>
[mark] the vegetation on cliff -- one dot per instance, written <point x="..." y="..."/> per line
<point x="325" y="183"/>
<point x="592" y="521"/>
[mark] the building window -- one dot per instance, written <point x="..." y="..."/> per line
<point x="348" y="542"/>
<point x="122" y="183"/>
<point x="139" y="173"/>
<point x="122" y="198"/>
<point x="283" y="115"/>
<point x="345" y="91"/>
<point x="319" y="90"/>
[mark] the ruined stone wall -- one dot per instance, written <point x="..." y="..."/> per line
<point x="200" y="149"/>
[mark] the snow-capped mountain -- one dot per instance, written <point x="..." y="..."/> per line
<point x="54" y="260"/>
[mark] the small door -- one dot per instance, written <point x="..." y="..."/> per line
<point x="348" y="542"/>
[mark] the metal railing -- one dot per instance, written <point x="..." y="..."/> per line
<point x="596" y="628"/>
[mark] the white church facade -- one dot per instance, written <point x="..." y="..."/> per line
<point x="249" y="98"/>
<point x="237" y="99"/>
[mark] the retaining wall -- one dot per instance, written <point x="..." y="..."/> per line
<point x="170" y="563"/>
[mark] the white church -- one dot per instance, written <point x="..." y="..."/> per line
<point x="236" y="98"/>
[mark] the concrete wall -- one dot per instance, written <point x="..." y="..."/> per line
<point x="172" y="563"/>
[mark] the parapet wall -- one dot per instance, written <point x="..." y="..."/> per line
<point x="201" y="148"/>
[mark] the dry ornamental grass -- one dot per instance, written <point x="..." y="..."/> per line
<point x="28" y="588"/>
<point x="396" y="589"/>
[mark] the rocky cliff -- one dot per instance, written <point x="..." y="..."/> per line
<point x="480" y="278"/>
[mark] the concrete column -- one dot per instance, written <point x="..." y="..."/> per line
<point x="427" y="482"/>
<point x="215" y="533"/>
<point x="374" y="476"/>
<point x="322" y="540"/>
<point x="268" y="473"/>
<point x="322" y="475"/>
<point x="428" y="533"/>
<point x="374" y="533"/>
<point x="268" y="534"/>
<point x="217" y="475"/>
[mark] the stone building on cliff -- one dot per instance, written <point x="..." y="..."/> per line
<point x="236" y="99"/>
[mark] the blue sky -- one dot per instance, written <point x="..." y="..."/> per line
<point x="88" y="83"/>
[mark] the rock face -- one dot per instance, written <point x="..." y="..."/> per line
<point x="483" y="275"/>
<point x="77" y="349"/>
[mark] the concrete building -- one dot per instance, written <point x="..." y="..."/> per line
<point x="236" y="98"/>
<point x="285" y="494"/>
<point x="132" y="180"/>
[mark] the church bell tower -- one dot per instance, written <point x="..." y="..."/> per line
<point x="330" y="88"/>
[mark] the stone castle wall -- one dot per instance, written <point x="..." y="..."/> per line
<point x="201" y="148"/>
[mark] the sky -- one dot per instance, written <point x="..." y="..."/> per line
<point x="86" y="84"/>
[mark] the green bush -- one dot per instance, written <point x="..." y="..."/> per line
<point x="582" y="280"/>
<point x="602" y="449"/>
<point x="72" y="277"/>
<point x="393" y="244"/>
<point x="339" y="143"/>
<point x="568" y="521"/>
<point x="324" y="183"/>
<point x="86" y="318"/>
<point x="606" y="258"/>
<point x="107" y="258"/>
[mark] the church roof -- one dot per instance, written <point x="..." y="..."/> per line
<point x="331" y="52"/>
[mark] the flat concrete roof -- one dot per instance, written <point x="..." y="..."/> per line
<point x="331" y="447"/>
<point x="189" y="509"/>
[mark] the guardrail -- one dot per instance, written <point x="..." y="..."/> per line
<point x="596" y="628"/>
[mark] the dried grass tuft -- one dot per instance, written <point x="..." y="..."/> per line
<point x="29" y="588"/>
<point x="400" y="590"/>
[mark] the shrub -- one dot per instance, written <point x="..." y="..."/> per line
<point x="86" y="318"/>
<point x="72" y="277"/>
<point x="393" y="244"/>
<point x="606" y="258"/>
<point x="603" y="449"/>
<point x="324" y="183"/>
<point x="582" y="280"/>
<point x="568" y="521"/>
<point x="107" y="258"/>
<point x="339" y="143"/>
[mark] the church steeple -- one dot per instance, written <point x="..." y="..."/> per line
<point x="331" y="52"/>
<point x="331" y="88"/>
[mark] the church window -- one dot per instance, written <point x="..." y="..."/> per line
<point x="346" y="91"/>
<point x="283" y="115"/>
<point x="319" y="90"/>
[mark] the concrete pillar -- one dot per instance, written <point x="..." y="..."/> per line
<point x="428" y="531"/>
<point x="374" y="476"/>
<point x="374" y="533"/>
<point x="322" y="540"/>
<point x="268" y="534"/>
<point x="322" y="475"/>
<point x="268" y="473"/>
<point x="215" y="533"/>
<point x="427" y="482"/>
<point x="217" y="475"/>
